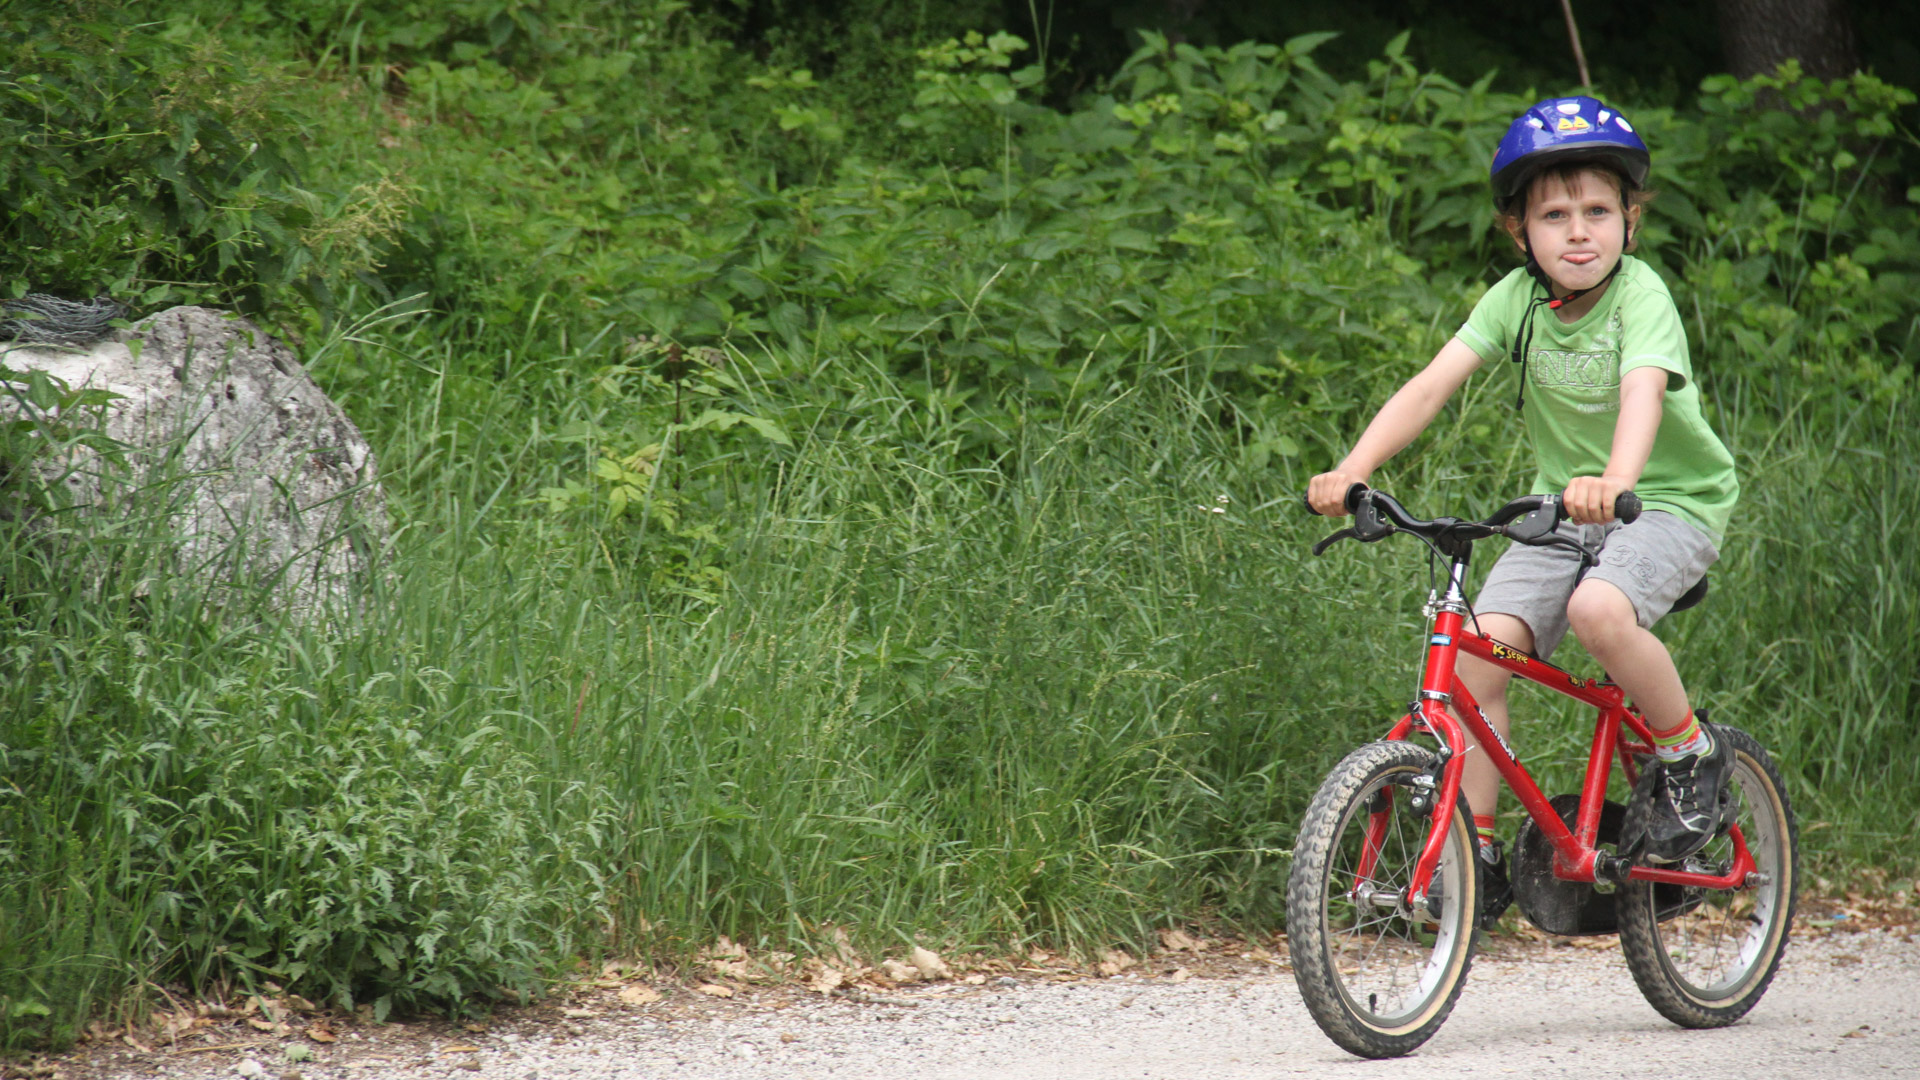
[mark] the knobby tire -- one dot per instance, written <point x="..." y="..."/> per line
<point x="1378" y="977"/>
<point x="1705" y="961"/>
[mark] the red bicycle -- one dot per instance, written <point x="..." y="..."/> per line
<point x="1384" y="898"/>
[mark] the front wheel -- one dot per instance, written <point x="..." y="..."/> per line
<point x="1378" y="970"/>
<point x="1703" y="957"/>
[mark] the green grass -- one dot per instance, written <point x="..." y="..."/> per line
<point x="1059" y="695"/>
<point x="958" y="592"/>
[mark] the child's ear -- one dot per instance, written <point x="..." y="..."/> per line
<point x="1633" y="227"/>
<point x="1516" y="230"/>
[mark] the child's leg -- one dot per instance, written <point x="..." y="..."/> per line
<point x="1689" y="798"/>
<point x="1644" y="567"/>
<point x="1604" y="620"/>
<point x="1488" y="685"/>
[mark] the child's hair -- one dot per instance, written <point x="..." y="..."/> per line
<point x="1511" y="214"/>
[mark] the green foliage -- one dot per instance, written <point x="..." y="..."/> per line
<point x="646" y="419"/>
<point x="815" y="516"/>
<point x="158" y="168"/>
<point x="221" y="807"/>
<point x="47" y="419"/>
<point x="1796" y="251"/>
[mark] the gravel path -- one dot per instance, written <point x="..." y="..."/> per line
<point x="1844" y="1005"/>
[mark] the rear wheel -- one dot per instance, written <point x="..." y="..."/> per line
<point x="1378" y="970"/>
<point x="1703" y="957"/>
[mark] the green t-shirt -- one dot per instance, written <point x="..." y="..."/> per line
<point x="1573" y="390"/>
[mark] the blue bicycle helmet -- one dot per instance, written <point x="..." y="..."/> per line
<point x="1572" y="128"/>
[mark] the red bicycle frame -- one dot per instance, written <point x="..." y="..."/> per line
<point x="1576" y="858"/>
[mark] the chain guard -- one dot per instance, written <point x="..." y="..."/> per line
<point x="1568" y="908"/>
<point x="1575" y="908"/>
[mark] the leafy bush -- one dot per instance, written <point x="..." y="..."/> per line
<point x="158" y="168"/>
<point x="248" y="814"/>
<point x="881" y="516"/>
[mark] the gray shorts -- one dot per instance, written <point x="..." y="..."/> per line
<point x="1653" y="561"/>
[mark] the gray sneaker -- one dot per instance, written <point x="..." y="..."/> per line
<point x="1690" y="803"/>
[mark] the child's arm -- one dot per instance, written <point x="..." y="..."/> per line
<point x="1401" y="420"/>
<point x="1643" y="393"/>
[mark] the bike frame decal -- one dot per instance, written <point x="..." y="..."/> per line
<point x="1508" y="652"/>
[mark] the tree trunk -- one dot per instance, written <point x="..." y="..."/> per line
<point x="1758" y="34"/>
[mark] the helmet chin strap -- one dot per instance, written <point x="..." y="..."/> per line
<point x="1523" y="342"/>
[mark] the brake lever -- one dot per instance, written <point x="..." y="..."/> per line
<point x="1344" y="534"/>
<point x="1368" y="524"/>
<point x="1539" y="523"/>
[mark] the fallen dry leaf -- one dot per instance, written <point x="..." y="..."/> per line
<point x="1174" y="939"/>
<point x="825" y="980"/>
<point x="1115" y="961"/>
<point x="843" y="946"/>
<point x="459" y="1049"/>
<point x="639" y="994"/>
<point x="475" y="1027"/>
<point x="975" y="980"/>
<point x="715" y="990"/>
<point x="321" y="1032"/>
<point x="930" y="964"/>
<point x="577" y="1014"/>
<point x="1179" y="975"/>
<point x="900" y="972"/>
<point x="170" y="1026"/>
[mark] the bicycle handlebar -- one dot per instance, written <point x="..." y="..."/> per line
<point x="1529" y="519"/>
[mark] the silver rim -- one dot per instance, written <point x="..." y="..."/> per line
<point x="1714" y="950"/>
<point x="1388" y="958"/>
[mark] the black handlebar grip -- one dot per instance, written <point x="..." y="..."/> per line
<point x="1626" y="507"/>
<point x="1352" y="500"/>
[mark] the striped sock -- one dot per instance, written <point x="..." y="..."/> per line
<point x="1483" y="825"/>
<point x="1674" y="743"/>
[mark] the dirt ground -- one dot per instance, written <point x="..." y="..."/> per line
<point x="734" y="1014"/>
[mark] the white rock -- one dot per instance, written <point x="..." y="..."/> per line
<point x="250" y="1069"/>
<point x="264" y="479"/>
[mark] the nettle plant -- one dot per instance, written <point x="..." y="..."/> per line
<point x="659" y="417"/>
<point x="1801" y="246"/>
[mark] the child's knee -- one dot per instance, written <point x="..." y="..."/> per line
<point x="1598" y="609"/>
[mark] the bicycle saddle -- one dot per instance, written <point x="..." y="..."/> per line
<point x="1691" y="596"/>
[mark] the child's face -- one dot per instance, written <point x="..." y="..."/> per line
<point x="1579" y="229"/>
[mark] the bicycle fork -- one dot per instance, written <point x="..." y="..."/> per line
<point x="1437" y="683"/>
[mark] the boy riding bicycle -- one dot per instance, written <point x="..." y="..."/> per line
<point x="1609" y="399"/>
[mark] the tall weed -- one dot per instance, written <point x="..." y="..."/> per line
<point x="804" y="529"/>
